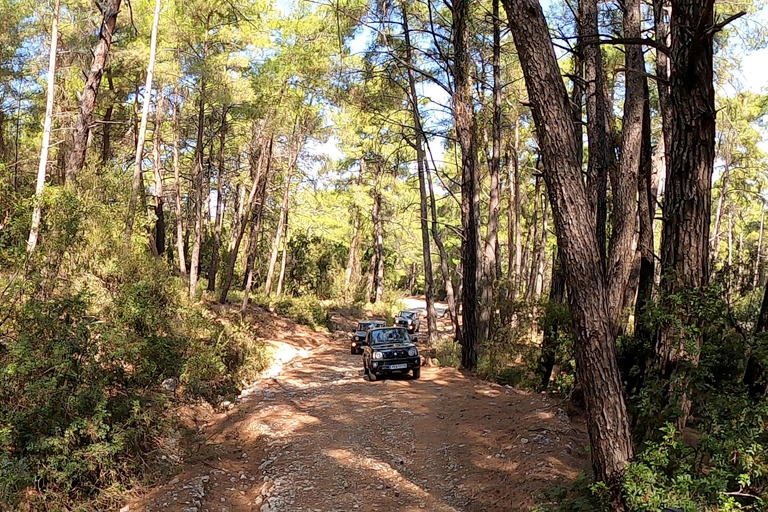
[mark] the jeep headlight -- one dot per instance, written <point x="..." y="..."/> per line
<point x="413" y="352"/>
<point x="378" y="355"/>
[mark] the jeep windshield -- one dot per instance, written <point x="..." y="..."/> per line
<point x="407" y="314"/>
<point x="385" y="336"/>
<point x="365" y="326"/>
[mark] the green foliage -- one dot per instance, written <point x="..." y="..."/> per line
<point x="81" y="399"/>
<point x="317" y="266"/>
<point x="447" y="353"/>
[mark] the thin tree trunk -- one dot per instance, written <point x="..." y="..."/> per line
<point x="600" y="146"/>
<point x="421" y="162"/>
<point x="464" y="122"/>
<point x="515" y="218"/>
<point x="550" y="340"/>
<point x="180" y="236"/>
<point x="44" y="146"/>
<point x="198" y="179"/>
<point x="76" y="158"/>
<point x="759" y="252"/>
<point x="158" y="164"/>
<point x="352" y="259"/>
<point x="491" y="246"/>
<point x="242" y="220"/>
<point x="662" y="12"/>
<point x="534" y="238"/>
<point x="253" y="243"/>
<point x="607" y="419"/>
<point x="281" y="279"/>
<point x="142" y="133"/>
<point x="214" y="268"/>
<point x="450" y="297"/>
<point x="280" y="225"/>
<point x="106" y="146"/>
<point x="378" y="237"/>
<point x="720" y="210"/>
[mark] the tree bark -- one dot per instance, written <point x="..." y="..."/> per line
<point x="445" y="271"/>
<point x="759" y="252"/>
<point x="515" y="219"/>
<point x="353" y="259"/>
<point x="421" y="162"/>
<point x="158" y="164"/>
<point x="215" y="249"/>
<point x="283" y="263"/>
<point x="687" y="203"/>
<point x="464" y="123"/>
<point x="198" y="182"/>
<point x="550" y="339"/>
<point x="715" y="248"/>
<point x="253" y="243"/>
<point x="599" y="140"/>
<point x="243" y="216"/>
<point x="142" y="133"/>
<point x="622" y="248"/>
<point x="45" y="144"/>
<point x="76" y="158"/>
<point x="106" y="128"/>
<point x="607" y="420"/>
<point x="378" y="236"/>
<point x="281" y="223"/>
<point x="491" y="246"/>
<point x="180" y="236"/>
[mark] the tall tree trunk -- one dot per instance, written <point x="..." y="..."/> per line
<point x="515" y="219"/>
<point x="445" y="270"/>
<point x="352" y="259"/>
<point x="44" y="146"/>
<point x="534" y="237"/>
<point x="646" y="189"/>
<point x="198" y="183"/>
<point x="378" y="237"/>
<point x="214" y="268"/>
<point x="662" y="12"/>
<point x="600" y="145"/>
<point x="464" y="122"/>
<point x="759" y="252"/>
<point x="76" y="158"/>
<point x="180" y="236"/>
<point x="687" y="202"/>
<point x="550" y="340"/>
<point x="253" y="243"/>
<point x="715" y="248"/>
<point x="142" y="133"/>
<point x="607" y="420"/>
<point x="243" y="217"/>
<point x="421" y="162"/>
<point x="106" y="127"/>
<point x="280" y="224"/>
<point x="622" y="248"/>
<point x="158" y="164"/>
<point x="491" y="246"/>
<point x="283" y="263"/>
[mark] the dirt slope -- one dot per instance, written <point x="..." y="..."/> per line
<point x="318" y="436"/>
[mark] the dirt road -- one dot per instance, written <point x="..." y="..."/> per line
<point x="318" y="436"/>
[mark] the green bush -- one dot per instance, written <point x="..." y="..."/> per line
<point x="305" y="310"/>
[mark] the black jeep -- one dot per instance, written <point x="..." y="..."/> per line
<point x="358" y="339"/>
<point x="390" y="350"/>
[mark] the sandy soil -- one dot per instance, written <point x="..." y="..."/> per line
<point x="316" y="436"/>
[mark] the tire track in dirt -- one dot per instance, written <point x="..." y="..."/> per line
<point x="319" y="437"/>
